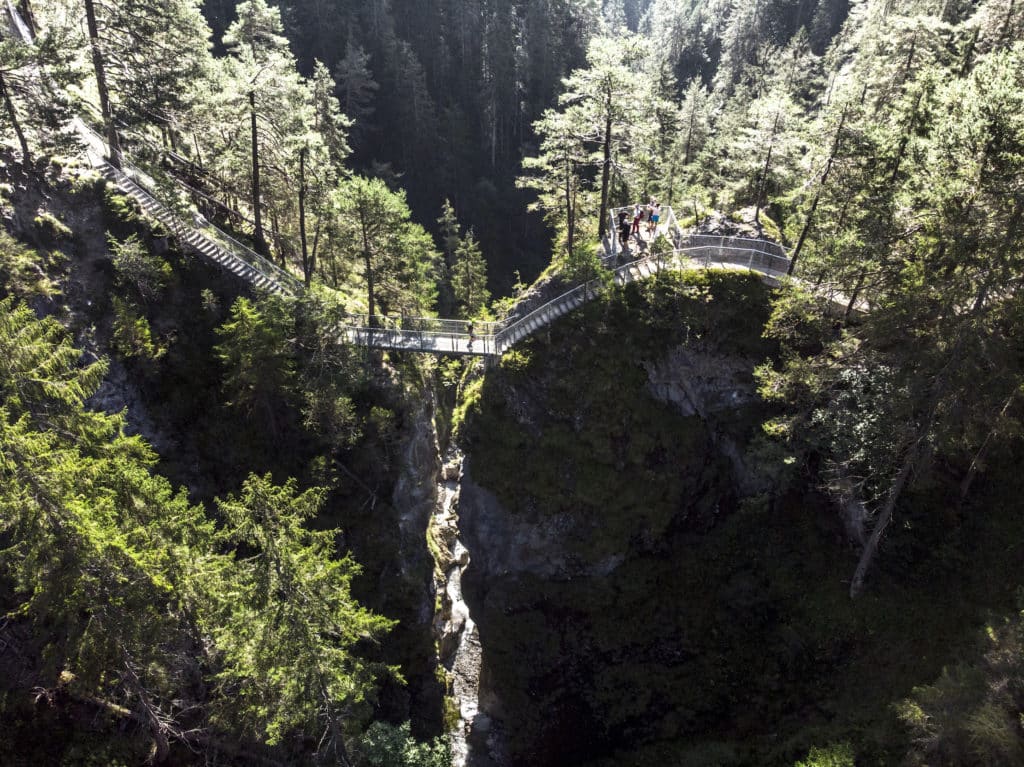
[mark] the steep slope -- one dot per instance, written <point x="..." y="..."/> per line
<point x="655" y="584"/>
<point x="133" y="295"/>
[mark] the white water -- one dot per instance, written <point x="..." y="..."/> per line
<point x="458" y="635"/>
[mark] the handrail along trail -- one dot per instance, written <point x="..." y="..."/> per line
<point x="426" y="334"/>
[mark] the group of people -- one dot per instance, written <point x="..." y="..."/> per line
<point x="649" y="213"/>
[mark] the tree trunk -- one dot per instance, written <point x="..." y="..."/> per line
<point x="368" y="267"/>
<point x="25" y="7"/>
<point x="901" y="152"/>
<point x="199" y="153"/>
<point x="101" y="85"/>
<point x="258" y="238"/>
<point x="885" y="515"/>
<point x="965" y="65"/>
<point x="26" y="156"/>
<point x="570" y="217"/>
<point x="1004" y="33"/>
<point x="915" y="448"/>
<point x="817" y="196"/>
<point x="307" y="265"/>
<point x="606" y="170"/>
<point x="762" y="182"/>
<point x="277" y="240"/>
<point x="854" y="296"/>
<point x="689" y="135"/>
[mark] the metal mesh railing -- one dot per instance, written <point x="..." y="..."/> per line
<point x="229" y="248"/>
<point x="426" y="334"/>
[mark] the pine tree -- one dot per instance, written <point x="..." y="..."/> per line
<point x="286" y="630"/>
<point x="448" y="225"/>
<point x="397" y="257"/>
<point x="104" y="558"/>
<point x="694" y="122"/>
<point x="603" y="120"/>
<point x="469" y="278"/>
<point x="356" y="90"/>
<point x="258" y="366"/>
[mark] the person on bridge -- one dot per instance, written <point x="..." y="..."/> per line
<point x="653" y="215"/>
<point x="638" y="216"/>
<point x="624" y="230"/>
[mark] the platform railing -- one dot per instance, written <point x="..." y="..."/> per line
<point x="427" y="334"/>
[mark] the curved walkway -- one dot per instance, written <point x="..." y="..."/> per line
<point x="434" y="336"/>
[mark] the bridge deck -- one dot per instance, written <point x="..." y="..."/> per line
<point x="427" y="334"/>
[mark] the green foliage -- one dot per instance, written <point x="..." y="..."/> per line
<point x="286" y="628"/>
<point x="837" y="755"/>
<point x="132" y="334"/>
<point x="331" y="416"/>
<point x="584" y="264"/>
<point x="469" y="278"/>
<point x="210" y="302"/>
<point x="139" y="270"/>
<point x="605" y="118"/>
<point x="133" y="596"/>
<point x="971" y="714"/>
<point x="397" y="257"/>
<point x="385" y="745"/>
<point x="254" y="351"/>
<point x="95" y="544"/>
<point x="50" y="227"/>
<point x="121" y="209"/>
<point x="23" y="270"/>
<point x="468" y="400"/>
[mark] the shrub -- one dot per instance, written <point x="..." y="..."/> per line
<point x="138" y="269"/>
<point x="132" y="334"/>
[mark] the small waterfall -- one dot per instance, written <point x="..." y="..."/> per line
<point x="458" y="640"/>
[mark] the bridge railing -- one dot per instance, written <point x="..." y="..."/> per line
<point x="760" y="261"/>
<point x="426" y="333"/>
<point x="418" y="340"/>
<point x="514" y="331"/>
<point x="722" y="241"/>
<point x="142" y="185"/>
<point x="422" y="324"/>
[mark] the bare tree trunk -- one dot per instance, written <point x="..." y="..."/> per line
<point x="257" y="214"/>
<point x="307" y="265"/>
<point x="763" y="180"/>
<point x="149" y="713"/>
<point x="606" y="169"/>
<point x="855" y="295"/>
<point x="368" y="267"/>
<point x="277" y="240"/>
<point x="199" y="153"/>
<point x="965" y="65"/>
<point x="30" y="19"/>
<point x="26" y="156"/>
<point x="916" y="447"/>
<point x="867" y="556"/>
<point x="901" y="152"/>
<point x="1004" y="33"/>
<point x="113" y="142"/>
<point x="817" y="196"/>
<point x="570" y="218"/>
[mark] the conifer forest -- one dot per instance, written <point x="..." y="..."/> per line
<point x="512" y="383"/>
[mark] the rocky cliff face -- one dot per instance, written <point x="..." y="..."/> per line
<point x="595" y="466"/>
